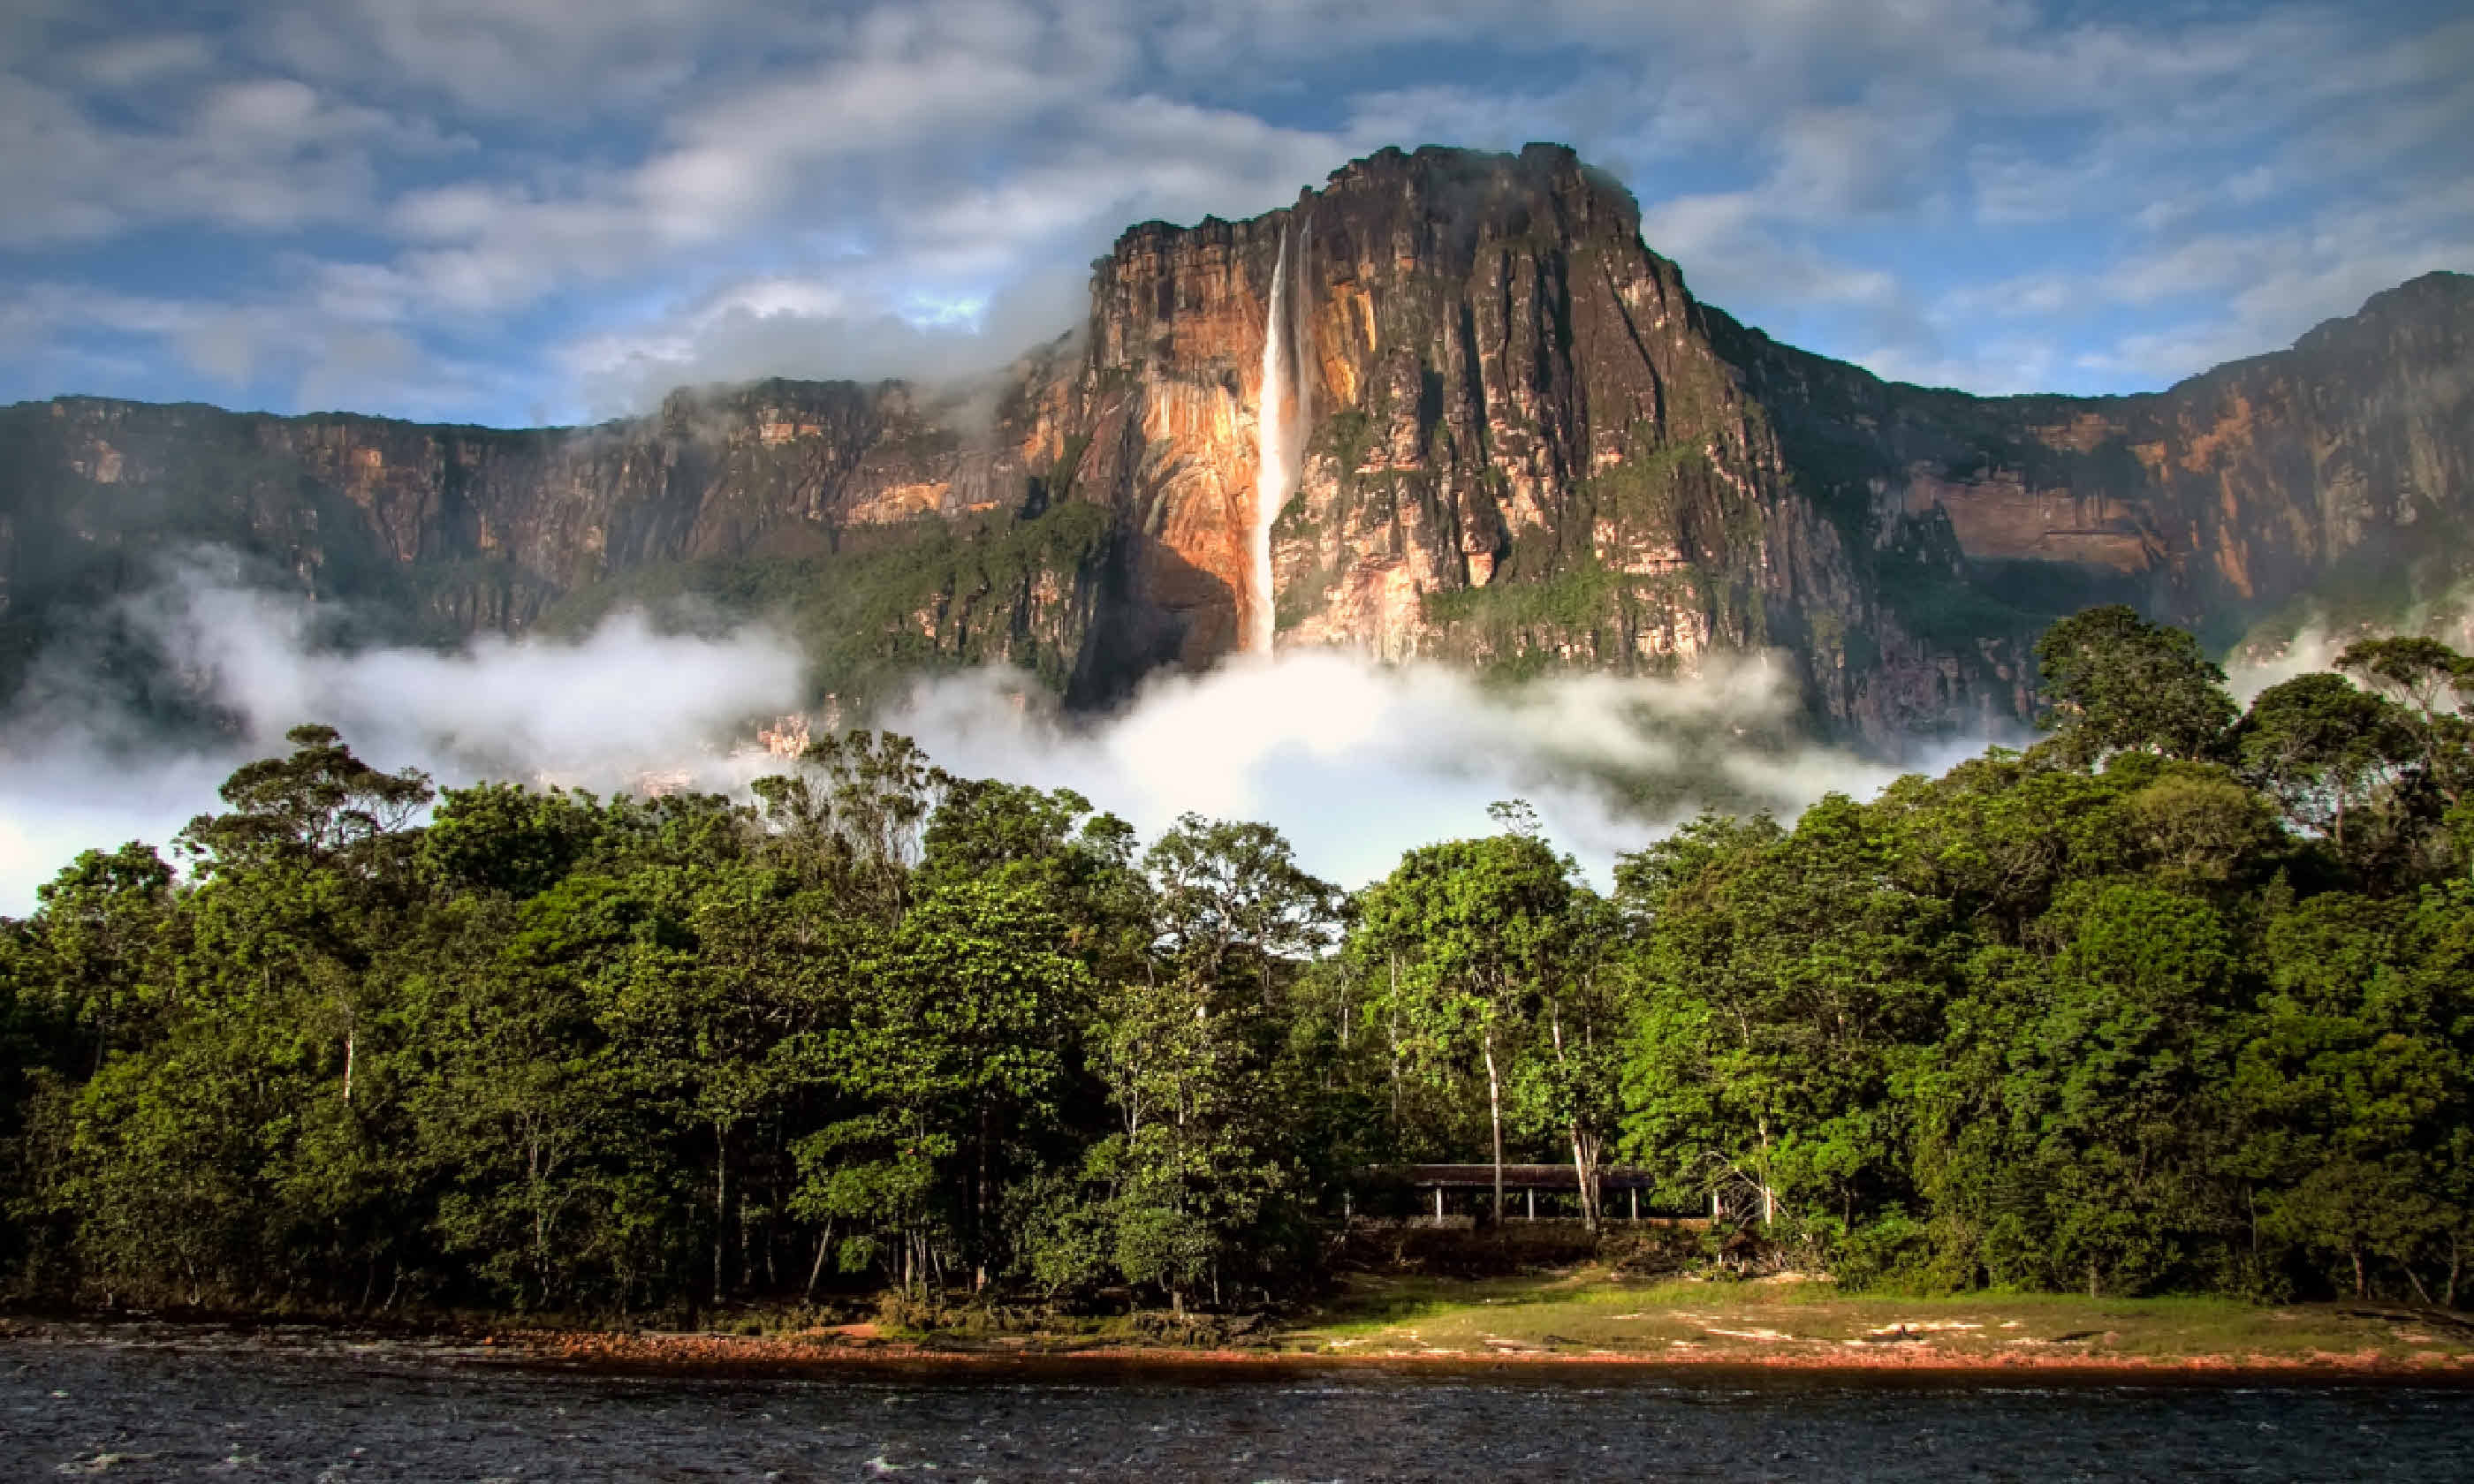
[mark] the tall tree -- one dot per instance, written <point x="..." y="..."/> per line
<point x="1480" y="930"/>
<point x="2115" y="681"/>
<point x="2324" y="749"/>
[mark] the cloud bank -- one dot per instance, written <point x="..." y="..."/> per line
<point x="519" y="210"/>
<point x="83" y="765"/>
<point x="2319" y="638"/>
<point x="1355" y="762"/>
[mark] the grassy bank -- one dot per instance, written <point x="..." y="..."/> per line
<point x="1593" y="1314"/>
<point x="1588" y="1311"/>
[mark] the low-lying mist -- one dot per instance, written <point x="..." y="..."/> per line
<point x="86" y="762"/>
<point x="2318" y="639"/>
<point x="1354" y="760"/>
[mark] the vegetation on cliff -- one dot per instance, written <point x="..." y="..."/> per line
<point x="2181" y="999"/>
<point x="876" y="616"/>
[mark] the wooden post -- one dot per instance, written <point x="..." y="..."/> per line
<point x="1532" y="1193"/>
<point x="1635" y="1203"/>
<point x="1439" y="1205"/>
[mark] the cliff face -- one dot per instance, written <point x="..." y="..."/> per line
<point x="436" y="533"/>
<point x="1521" y="445"/>
<point x="2348" y="457"/>
<point x="1513" y="437"/>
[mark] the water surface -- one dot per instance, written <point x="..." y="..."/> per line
<point x="164" y="1404"/>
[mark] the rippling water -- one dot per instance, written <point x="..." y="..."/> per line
<point x="186" y="1404"/>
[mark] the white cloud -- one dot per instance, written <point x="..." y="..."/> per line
<point x="262" y="154"/>
<point x="808" y="328"/>
<point x="140" y="62"/>
<point x="518" y="58"/>
<point x="630" y="173"/>
<point x="2264" y="287"/>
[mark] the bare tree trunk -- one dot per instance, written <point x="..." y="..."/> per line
<point x="1394" y="1009"/>
<point x="824" y="1244"/>
<point x="1584" y="1170"/>
<point x="980" y="1209"/>
<point x="1495" y="1115"/>
<point x="1769" y="1191"/>
<point x="721" y="1204"/>
<point x="2415" y="1278"/>
<point x="1580" y="1159"/>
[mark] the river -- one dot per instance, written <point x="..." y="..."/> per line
<point x="161" y="1402"/>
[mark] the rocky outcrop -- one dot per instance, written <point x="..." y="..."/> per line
<point x="437" y="533"/>
<point x="1523" y="448"/>
<point x="1520" y="443"/>
<point x="2350" y="455"/>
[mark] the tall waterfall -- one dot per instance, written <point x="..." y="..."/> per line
<point x="1280" y="426"/>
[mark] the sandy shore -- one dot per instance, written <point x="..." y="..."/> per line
<point x="852" y="1346"/>
<point x="1535" y="1325"/>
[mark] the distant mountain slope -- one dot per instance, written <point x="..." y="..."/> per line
<point x="1518" y="440"/>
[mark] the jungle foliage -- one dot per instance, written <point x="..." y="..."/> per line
<point x="2181" y="999"/>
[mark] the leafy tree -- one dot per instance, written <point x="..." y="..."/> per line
<point x="504" y="838"/>
<point x="851" y="819"/>
<point x="2323" y="748"/>
<point x="321" y="801"/>
<point x="1778" y="989"/>
<point x="2118" y="683"/>
<point x="2353" y="1086"/>
<point x="1476" y="932"/>
<point x="959" y="1051"/>
<point x="2431" y="686"/>
<point x="91" y="964"/>
<point x="1226" y="891"/>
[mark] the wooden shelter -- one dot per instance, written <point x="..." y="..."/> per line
<point x="1433" y="1181"/>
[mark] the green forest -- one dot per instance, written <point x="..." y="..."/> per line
<point x="2179" y="999"/>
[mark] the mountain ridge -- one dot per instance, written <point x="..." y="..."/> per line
<point x="1522" y="444"/>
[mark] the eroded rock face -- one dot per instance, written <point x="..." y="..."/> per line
<point x="450" y="530"/>
<point x="1522" y="446"/>
<point x="1523" y="443"/>
<point x="2227" y="493"/>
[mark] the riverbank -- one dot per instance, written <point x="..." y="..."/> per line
<point x="1581" y="1316"/>
<point x="1587" y="1315"/>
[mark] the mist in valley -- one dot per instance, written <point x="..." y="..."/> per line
<point x="1354" y="760"/>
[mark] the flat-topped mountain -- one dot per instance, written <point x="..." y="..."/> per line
<point x="1501" y="430"/>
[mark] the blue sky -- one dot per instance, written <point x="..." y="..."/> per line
<point x="513" y="211"/>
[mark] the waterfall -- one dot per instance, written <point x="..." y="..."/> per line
<point x="1275" y="469"/>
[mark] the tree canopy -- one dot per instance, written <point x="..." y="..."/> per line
<point x="2179" y="999"/>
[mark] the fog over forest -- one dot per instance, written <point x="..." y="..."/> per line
<point x="1354" y="760"/>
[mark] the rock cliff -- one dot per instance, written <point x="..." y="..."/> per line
<point x="1515" y="440"/>
<point x="1524" y="446"/>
